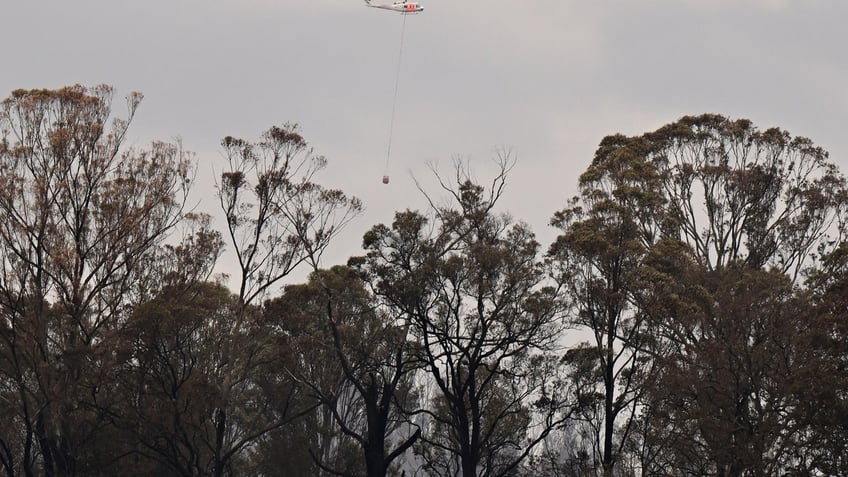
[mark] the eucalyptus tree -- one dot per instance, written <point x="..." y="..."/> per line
<point x="754" y="211"/>
<point x="169" y="385"/>
<point x="80" y="217"/>
<point x="733" y="399"/>
<point x="739" y="194"/>
<point x="607" y="231"/>
<point x="472" y="291"/>
<point x="277" y="219"/>
<point x="739" y="208"/>
<point x="825" y="404"/>
<point x="357" y="362"/>
<point x="659" y="217"/>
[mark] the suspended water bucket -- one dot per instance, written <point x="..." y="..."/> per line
<point x="385" y="179"/>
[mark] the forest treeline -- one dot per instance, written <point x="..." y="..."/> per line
<point x="690" y="318"/>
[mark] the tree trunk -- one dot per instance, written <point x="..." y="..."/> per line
<point x="609" y="412"/>
<point x="44" y="444"/>
<point x="375" y="450"/>
<point x="220" y="426"/>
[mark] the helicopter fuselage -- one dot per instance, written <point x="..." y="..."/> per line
<point x="399" y="6"/>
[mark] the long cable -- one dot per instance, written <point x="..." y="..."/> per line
<point x="394" y="100"/>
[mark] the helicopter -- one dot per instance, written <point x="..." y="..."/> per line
<point x="401" y="6"/>
<point x="405" y="7"/>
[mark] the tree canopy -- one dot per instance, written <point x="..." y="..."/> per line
<point x="690" y="318"/>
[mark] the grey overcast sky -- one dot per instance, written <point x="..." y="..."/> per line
<point x="546" y="79"/>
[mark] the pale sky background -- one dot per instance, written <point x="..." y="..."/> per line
<point x="546" y="79"/>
